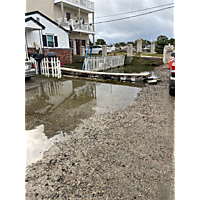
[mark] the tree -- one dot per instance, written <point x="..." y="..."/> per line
<point x="131" y="43"/>
<point x="162" y="40"/>
<point x="122" y="43"/>
<point x="101" y="42"/>
<point x="117" y="44"/>
<point x="172" y="41"/>
<point x="90" y="43"/>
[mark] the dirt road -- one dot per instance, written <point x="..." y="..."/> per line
<point x="126" y="154"/>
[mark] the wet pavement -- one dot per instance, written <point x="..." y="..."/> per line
<point x="54" y="108"/>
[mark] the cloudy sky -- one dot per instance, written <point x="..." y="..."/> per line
<point x="146" y="27"/>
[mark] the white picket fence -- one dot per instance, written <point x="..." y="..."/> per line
<point x="46" y="64"/>
<point x="103" y="63"/>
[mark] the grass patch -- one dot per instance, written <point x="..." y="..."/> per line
<point x="149" y="54"/>
<point x="139" y="64"/>
<point x="74" y="66"/>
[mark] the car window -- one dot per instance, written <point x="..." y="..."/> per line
<point x="173" y="54"/>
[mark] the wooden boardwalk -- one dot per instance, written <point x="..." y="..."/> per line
<point x="77" y="72"/>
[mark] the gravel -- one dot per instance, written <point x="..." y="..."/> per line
<point x="125" y="154"/>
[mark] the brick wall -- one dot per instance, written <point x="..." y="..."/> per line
<point x="65" y="54"/>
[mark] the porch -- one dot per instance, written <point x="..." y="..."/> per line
<point x="85" y="5"/>
<point x="72" y="25"/>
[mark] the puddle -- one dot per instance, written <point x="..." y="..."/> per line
<point x="54" y="109"/>
<point x="152" y="74"/>
<point x="37" y="143"/>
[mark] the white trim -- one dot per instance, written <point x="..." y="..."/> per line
<point x="32" y="25"/>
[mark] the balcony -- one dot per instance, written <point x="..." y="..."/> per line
<point x="86" y="5"/>
<point x="85" y="28"/>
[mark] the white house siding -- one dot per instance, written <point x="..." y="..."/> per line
<point x="51" y="29"/>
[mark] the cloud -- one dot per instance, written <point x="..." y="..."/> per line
<point x="148" y="26"/>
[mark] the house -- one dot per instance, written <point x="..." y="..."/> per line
<point x="49" y="36"/>
<point x="72" y="15"/>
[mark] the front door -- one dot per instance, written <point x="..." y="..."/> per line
<point x="78" y="46"/>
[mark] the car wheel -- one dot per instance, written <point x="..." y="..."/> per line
<point x="171" y="91"/>
<point x="100" y="52"/>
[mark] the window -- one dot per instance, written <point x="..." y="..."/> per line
<point x="68" y="15"/>
<point x="50" y="41"/>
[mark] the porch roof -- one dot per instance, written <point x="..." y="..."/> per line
<point x="32" y="24"/>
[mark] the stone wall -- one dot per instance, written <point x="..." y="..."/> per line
<point x="168" y="49"/>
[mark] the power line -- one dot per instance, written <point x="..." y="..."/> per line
<point x="133" y="16"/>
<point x="134" y="11"/>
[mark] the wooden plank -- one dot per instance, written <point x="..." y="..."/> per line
<point x="152" y="81"/>
<point x="105" y="73"/>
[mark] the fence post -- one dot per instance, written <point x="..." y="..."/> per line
<point x="82" y="51"/>
<point x="152" y="47"/>
<point x="52" y="67"/>
<point x="56" y="67"/>
<point x="104" y="50"/>
<point x="47" y="63"/>
<point x="59" y="70"/>
<point x="86" y="64"/>
<point x="139" y="46"/>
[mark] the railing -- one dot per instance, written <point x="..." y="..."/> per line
<point x="84" y="3"/>
<point x="103" y="63"/>
<point x="46" y="64"/>
<point x="75" y="25"/>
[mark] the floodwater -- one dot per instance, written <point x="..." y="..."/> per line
<point x="54" y="109"/>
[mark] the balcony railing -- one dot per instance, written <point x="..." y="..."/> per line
<point x="85" y="3"/>
<point x="75" y="25"/>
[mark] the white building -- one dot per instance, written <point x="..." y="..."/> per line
<point x="49" y="36"/>
<point x="73" y="15"/>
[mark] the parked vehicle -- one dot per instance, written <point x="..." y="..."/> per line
<point x="29" y="66"/>
<point x="172" y="79"/>
<point x="29" y="69"/>
<point x="97" y="49"/>
<point x="172" y="57"/>
<point x="113" y="48"/>
<point x="109" y="49"/>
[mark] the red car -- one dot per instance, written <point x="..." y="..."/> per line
<point x="172" y="79"/>
<point x="172" y="56"/>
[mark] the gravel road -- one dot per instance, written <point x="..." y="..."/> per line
<point x="125" y="154"/>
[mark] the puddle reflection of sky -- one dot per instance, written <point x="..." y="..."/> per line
<point x="69" y="100"/>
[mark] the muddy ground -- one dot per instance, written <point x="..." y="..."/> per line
<point x="125" y="154"/>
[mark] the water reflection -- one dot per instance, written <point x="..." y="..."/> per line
<point x="55" y="108"/>
<point x="37" y="143"/>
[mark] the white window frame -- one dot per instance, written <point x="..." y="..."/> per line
<point x="53" y="40"/>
